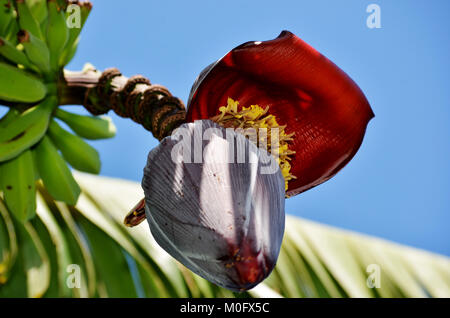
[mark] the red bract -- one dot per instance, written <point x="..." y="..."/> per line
<point x="304" y="90"/>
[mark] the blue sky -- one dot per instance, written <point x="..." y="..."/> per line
<point x="397" y="186"/>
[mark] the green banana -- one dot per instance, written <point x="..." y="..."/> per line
<point x="27" y="20"/>
<point x="75" y="150"/>
<point x="9" y="116"/>
<point x="55" y="173"/>
<point x="68" y="53"/>
<point x="18" y="185"/>
<point x="88" y="127"/>
<point x="11" y="31"/>
<point x="38" y="9"/>
<point x="74" y="31"/>
<point x="16" y="85"/>
<point x="25" y="130"/>
<point x="26" y="119"/>
<point x="9" y="150"/>
<point x="37" y="177"/>
<point x="64" y="3"/>
<point x="36" y="50"/>
<point x="57" y="33"/>
<point x="6" y="15"/>
<point x="10" y="52"/>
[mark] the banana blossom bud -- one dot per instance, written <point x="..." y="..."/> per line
<point x="215" y="202"/>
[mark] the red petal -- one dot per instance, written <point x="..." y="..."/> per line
<point x="305" y="91"/>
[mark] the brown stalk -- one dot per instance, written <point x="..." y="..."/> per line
<point x="150" y="105"/>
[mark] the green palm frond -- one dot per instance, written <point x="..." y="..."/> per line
<point x="114" y="261"/>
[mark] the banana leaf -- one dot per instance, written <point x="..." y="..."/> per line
<point x="37" y="259"/>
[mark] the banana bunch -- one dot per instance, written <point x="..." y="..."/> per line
<point x="37" y="39"/>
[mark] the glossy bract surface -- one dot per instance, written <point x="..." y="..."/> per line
<point x="304" y="90"/>
<point x="218" y="211"/>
